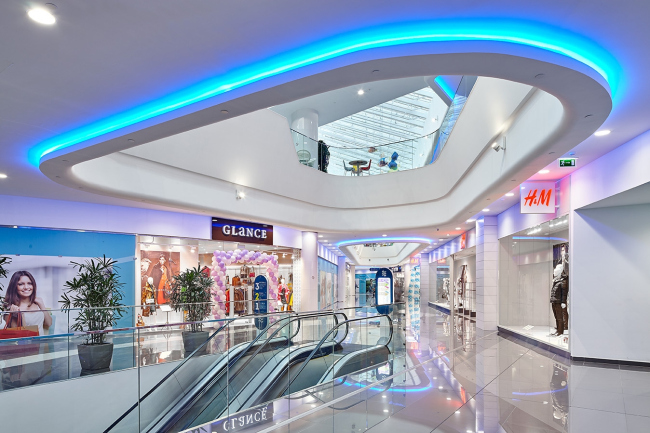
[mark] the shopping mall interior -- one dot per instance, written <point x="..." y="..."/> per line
<point x="299" y="216"/>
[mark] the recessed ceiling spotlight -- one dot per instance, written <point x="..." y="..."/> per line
<point x="457" y="228"/>
<point x="325" y="240"/>
<point x="360" y="92"/>
<point x="471" y="220"/>
<point x="602" y="132"/>
<point x="509" y="194"/>
<point x="42" y="15"/>
<point x="320" y="236"/>
<point x="486" y="210"/>
<point x="544" y="171"/>
<point x="384" y="235"/>
<point x="523" y="187"/>
<point x="3" y="176"/>
<point x="224" y="111"/>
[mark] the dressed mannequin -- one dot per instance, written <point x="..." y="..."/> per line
<point x="460" y="284"/>
<point x="147" y="298"/>
<point x="560" y="292"/>
<point x="445" y="288"/>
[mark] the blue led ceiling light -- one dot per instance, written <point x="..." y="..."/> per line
<point x="382" y="240"/>
<point x="445" y="87"/>
<point x="489" y="30"/>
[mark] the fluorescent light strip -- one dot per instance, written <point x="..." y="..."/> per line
<point x="507" y="31"/>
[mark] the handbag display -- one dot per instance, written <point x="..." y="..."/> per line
<point x="19" y="348"/>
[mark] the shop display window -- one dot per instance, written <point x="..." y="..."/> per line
<point x="534" y="282"/>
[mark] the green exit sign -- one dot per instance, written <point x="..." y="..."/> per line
<point x="568" y="162"/>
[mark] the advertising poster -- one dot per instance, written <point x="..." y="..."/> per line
<point x="328" y="289"/>
<point x="157" y="268"/>
<point x="47" y="277"/>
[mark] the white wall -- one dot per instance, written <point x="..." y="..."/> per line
<point x="610" y="278"/>
<point x="37" y="212"/>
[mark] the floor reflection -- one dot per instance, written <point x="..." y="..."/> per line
<point x="468" y="381"/>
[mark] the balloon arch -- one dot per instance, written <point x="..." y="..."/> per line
<point x="221" y="259"/>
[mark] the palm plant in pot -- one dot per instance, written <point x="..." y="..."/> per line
<point x="4" y="260"/>
<point x="190" y="293"/>
<point x="96" y="292"/>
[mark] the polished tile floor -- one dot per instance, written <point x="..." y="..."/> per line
<point x="465" y="380"/>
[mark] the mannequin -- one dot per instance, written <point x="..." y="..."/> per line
<point x="460" y="284"/>
<point x="560" y="292"/>
<point x="147" y="298"/>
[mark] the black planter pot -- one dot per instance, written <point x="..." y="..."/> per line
<point x="95" y="357"/>
<point x="192" y="341"/>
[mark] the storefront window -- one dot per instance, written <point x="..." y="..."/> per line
<point x="161" y="258"/>
<point x="534" y="282"/>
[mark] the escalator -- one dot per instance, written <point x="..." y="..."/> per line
<point x="290" y="355"/>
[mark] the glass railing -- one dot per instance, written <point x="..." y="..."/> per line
<point x="359" y="160"/>
<point x="371" y="160"/>
<point x="325" y="361"/>
<point x="53" y="354"/>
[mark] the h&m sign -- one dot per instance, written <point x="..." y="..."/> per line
<point x="241" y="231"/>
<point x="537" y="197"/>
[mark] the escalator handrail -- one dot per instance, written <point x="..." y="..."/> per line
<point x="160" y="382"/>
<point x="227" y="323"/>
<point x="324" y="339"/>
<point x="298" y="317"/>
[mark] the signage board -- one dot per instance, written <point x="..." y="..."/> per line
<point x="567" y="162"/>
<point x="463" y="241"/>
<point x="415" y="261"/>
<point x="241" y="231"/>
<point x="260" y="302"/>
<point x="384" y="292"/>
<point x="537" y="197"/>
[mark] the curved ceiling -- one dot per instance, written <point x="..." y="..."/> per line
<point x="55" y="80"/>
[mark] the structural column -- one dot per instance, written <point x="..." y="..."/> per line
<point x="487" y="268"/>
<point x="309" y="272"/>
<point x="351" y="301"/>
<point x="342" y="283"/>
<point x="305" y="121"/>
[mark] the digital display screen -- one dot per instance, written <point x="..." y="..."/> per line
<point x="384" y="295"/>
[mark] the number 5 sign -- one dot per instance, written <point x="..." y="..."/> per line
<point x="537" y="197"/>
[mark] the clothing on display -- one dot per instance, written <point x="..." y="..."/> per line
<point x="560" y="290"/>
<point x="147" y="298"/>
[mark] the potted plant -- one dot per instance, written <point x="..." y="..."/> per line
<point x="190" y="292"/>
<point x="97" y="292"/>
<point x="4" y="260"/>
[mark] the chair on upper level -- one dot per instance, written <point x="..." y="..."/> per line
<point x="346" y="168"/>
<point x="304" y="156"/>
<point x="367" y="168"/>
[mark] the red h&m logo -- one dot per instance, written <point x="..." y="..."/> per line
<point x="544" y="197"/>
<point x="538" y="197"/>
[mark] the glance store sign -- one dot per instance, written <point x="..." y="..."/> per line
<point x="241" y="231"/>
<point x="537" y="197"/>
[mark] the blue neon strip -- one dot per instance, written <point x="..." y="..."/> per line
<point x="490" y="30"/>
<point x="382" y="240"/>
<point x="445" y="87"/>
<point x="537" y="238"/>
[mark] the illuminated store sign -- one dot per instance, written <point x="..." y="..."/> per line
<point x="241" y="231"/>
<point x="538" y="197"/>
